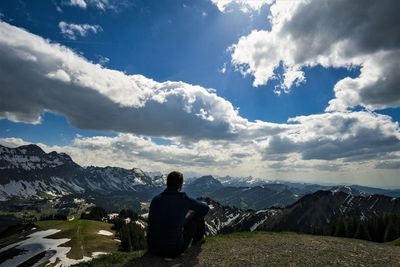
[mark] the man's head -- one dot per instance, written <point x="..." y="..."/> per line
<point x="175" y="181"/>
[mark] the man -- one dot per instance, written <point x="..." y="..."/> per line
<point x="175" y="220"/>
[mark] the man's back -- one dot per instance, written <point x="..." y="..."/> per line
<point x="167" y="218"/>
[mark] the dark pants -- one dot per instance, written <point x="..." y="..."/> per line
<point x="194" y="230"/>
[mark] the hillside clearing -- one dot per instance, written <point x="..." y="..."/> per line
<point x="58" y="242"/>
<point x="269" y="249"/>
<point x="84" y="236"/>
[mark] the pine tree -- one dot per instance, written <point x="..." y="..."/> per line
<point x="340" y="229"/>
<point x="390" y="233"/>
<point x="351" y="227"/>
<point x="362" y="232"/>
<point x="137" y="236"/>
<point x="379" y="229"/>
<point x="132" y="237"/>
<point x="128" y="213"/>
<point x="124" y="235"/>
<point x="397" y="226"/>
<point x="96" y="214"/>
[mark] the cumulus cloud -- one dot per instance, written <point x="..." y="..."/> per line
<point x="53" y="78"/>
<point x="72" y="30"/>
<point x="350" y="136"/>
<point x="244" y="5"/>
<point x="78" y="3"/>
<point x="98" y="4"/>
<point x="331" y="34"/>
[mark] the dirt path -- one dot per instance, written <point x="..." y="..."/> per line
<point x="282" y="249"/>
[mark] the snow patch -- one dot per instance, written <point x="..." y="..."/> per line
<point x="105" y="232"/>
<point x="37" y="243"/>
<point x="98" y="253"/>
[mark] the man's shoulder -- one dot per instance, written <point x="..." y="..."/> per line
<point x="157" y="197"/>
<point x="167" y="194"/>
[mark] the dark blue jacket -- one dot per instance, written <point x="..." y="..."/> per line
<point x="167" y="217"/>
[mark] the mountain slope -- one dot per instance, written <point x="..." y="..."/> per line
<point x="268" y="249"/>
<point x="254" y="197"/>
<point x="324" y="207"/>
<point x="202" y="186"/>
<point x="226" y="219"/>
<point x="27" y="171"/>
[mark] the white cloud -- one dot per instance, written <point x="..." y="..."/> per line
<point x="72" y="30"/>
<point x="103" y="60"/>
<point x="53" y="78"/>
<point x="244" y="5"/>
<point x="223" y="69"/>
<point x="13" y="142"/>
<point x="377" y="86"/>
<point x="99" y="4"/>
<point x="331" y="34"/>
<point x="354" y="136"/>
<point x="78" y="3"/>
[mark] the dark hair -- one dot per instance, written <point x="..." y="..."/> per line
<point x="174" y="180"/>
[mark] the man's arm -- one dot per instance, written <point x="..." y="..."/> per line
<point x="198" y="206"/>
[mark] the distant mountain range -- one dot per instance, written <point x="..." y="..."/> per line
<point x="29" y="172"/>
<point x="272" y="194"/>
<point x="255" y="197"/>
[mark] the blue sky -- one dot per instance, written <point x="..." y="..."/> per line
<point x="200" y="43"/>
<point x="169" y="40"/>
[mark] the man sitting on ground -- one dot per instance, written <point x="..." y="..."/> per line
<point x="175" y="220"/>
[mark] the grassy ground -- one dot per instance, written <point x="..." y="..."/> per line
<point x="83" y="235"/>
<point x="115" y="259"/>
<point x="269" y="249"/>
<point x="395" y="242"/>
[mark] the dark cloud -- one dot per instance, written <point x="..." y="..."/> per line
<point x="368" y="26"/>
<point x="357" y="135"/>
<point x="391" y="165"/>
<point x="339" y="33"/>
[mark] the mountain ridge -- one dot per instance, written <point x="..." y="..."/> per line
<point x="28" y="171"/>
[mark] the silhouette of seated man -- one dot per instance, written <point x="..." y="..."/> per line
<point x="175" y="220"/>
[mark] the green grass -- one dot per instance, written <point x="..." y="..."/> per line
<point x="83" y="235"/>
<point x="239" y="235"/>
<point x="115" y="259"/>
<point x="395" y="242"/>
<point x="265" y="248"/>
